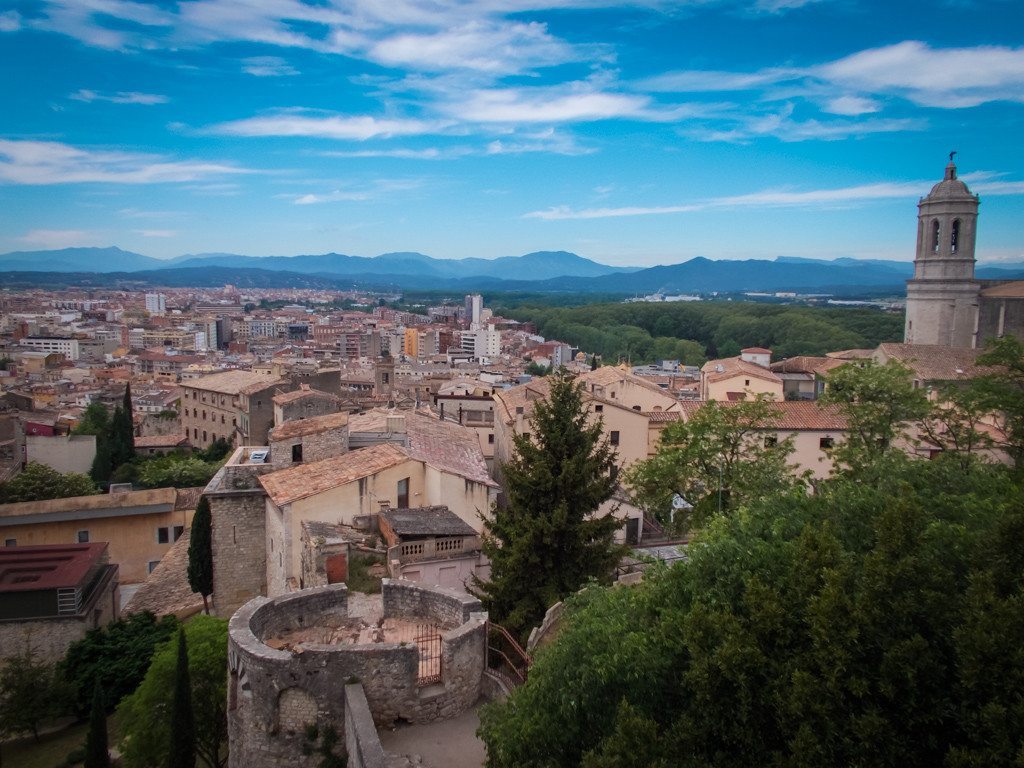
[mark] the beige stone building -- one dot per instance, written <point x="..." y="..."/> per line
<point x="739" y="378"/>
<point x="946" y="304"/>
<point x="234" y="405"/>
<point x="139" y="526"/>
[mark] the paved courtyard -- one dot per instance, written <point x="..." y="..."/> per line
<point x="448" y="744"/>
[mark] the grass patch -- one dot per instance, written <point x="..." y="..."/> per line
<point x="362" y="576"/>
<point x="52" y="749"/>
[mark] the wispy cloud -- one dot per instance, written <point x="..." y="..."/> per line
<point x="155" y="232"/>
<point x="783" y="126"/>
<point x="49" y="162"/>
<point x="769" y="198"/>
<point x="371" y="191"/>
<point x="353" y="128"/>
<point x="59" y="238"/>
<point x="575" y="102"/>
<point x="547" y="140"/>
<point x="121" y="97"/>
<point x="10" y="21"/>
<point x="268" y="66"/>
<point x="429" y="153"/>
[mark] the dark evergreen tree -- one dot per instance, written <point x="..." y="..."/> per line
<point x="122" y="432"/>
<point x="200" y="553"/>
<point x="97" y="752"/>
<point x="182" y="749"/>
<point x="545" y="542"/>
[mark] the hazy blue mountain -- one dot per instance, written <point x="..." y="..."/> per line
<point x="110" y="259"/>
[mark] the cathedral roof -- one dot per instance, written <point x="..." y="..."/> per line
<point x="950" y="188"/>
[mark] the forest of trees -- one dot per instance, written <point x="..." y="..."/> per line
<point x="698" y="331"/>
<point x="876" y="618"/>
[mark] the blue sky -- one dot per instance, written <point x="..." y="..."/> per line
<point x="631" y="133"/>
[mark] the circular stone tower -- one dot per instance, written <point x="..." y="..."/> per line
<point x="942" y="297"/>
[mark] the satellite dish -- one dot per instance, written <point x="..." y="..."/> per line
<point x="678" y="502"/>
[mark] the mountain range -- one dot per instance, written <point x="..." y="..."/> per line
<point x="546" y="271"/>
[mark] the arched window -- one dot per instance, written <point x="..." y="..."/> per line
<point x="935" y="236"/>
<point x="954" y="236"/>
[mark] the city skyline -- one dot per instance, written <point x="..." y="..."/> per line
<point x="629" y="133"/>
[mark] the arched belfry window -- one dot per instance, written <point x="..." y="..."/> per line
<point x="954" y="236"/>
<point x="935" y="236"/>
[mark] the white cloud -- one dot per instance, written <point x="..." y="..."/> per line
<point x="293" y="123"/>
<point x="484" y="46"/>
<point x="851" y="106"/>
<point x="59" y="238"/>
<point x="770" y="198"/>
<point x="549" y="105"/>
<point x="430" y="153"/>
<point x="948" y="77"/>
<point x="121" y="97"/>
<point x="155" y="232"/>
<point x="268" y="66"/>
<point x="371" y="191"/>
<point x="10" y="21"/>
<point x="782" y="126"/>
<point x="50" y="162"/>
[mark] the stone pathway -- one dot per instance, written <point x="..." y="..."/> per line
<point x="447" y="744"/>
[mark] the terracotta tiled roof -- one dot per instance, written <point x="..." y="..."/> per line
<point x="935" y="363"/>
<point x="301" y="394"/>
<point x="735" y="366"/>
<point x="851" y="354"/>
<point x="757" y="351"/>
<point x="166" y="590"/>
<point x="791" y="415"/>
<point x="234" y="382"/>
<point x="296" y="483"/>
<point x="188" y="498"/>
<point x="160" y="441"/>
<point x="310" y="426"/>
<point x="1010" y="290"/>
<point x="660" y="417"/>
<point x="441" y="444"/>
<point x="807" y="364"/>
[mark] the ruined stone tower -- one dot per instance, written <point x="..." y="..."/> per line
<point x="942" y="297"/>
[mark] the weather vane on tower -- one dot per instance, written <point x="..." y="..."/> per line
<point x="951" y="155"/>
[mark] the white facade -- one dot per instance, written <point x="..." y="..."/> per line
<point x="50" y="344"/>
<point x="156" y="303"/>
<point x="484" y="344"/>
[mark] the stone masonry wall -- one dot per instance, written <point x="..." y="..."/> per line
<point x="271" y="690"/>
<point x="238" y="541"/>
<point x="315" y="447"/>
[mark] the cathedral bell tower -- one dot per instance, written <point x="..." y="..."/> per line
<point x="942" y="297"/>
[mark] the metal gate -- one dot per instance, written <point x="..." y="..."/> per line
<point x="428" y="641"/>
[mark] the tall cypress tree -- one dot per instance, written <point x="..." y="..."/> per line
<point x="546" y="542"/>
<point x="122" y="431"/>
<point x="182" y="749"/>
<point x="97" y="750"/>
<point x="200" y="553"/>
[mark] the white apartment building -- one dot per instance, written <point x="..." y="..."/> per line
<point x="67" y="347"/>
<point x="156" y="303"/>
<point x="484" y="344"/>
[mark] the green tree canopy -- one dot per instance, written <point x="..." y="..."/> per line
<point x="716" y="460"/>
<point x="868" y="624"/>
<point x="146" y="714"/>
<point x="546" y="541"/>
<point x="1002" y="391"/>
<point x="97" y="753"/>
<point x="176" y="471"/>
<point x="32" y="692"/>
<point x="115" y="657"/>
<point x="38" y="482"/>
<point x="200" y="553"/>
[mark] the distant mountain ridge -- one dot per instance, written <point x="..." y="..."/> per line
<point x="541" y="265"/>
<point x="544" y="271"/>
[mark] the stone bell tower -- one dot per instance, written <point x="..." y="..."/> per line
<point x="942" y="297"/>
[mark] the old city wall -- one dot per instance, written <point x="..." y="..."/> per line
<point x="274" y="694"/>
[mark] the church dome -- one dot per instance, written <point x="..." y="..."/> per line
<point x="950" y="188"/>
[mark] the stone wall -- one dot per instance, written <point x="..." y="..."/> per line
<point x="361" y="740"/>
<point x="320" y="445"/>
<point x="271" y="691"/>
<point x="238" y="540"/>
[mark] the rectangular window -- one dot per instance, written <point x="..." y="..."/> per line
<point x="178" y="530"/>
<point x="770" y="440"/>
<point x="403" y="493"/>
<point x="598" y="409"/>
<point x="526" y="435"/>
<point x="490" y="438"/>
<point x="825" y="443"/>
<point x="614" y="437"/>
<point x="151" y="565"/>
<point x="163" y="535"/>
<point x="297" y="453"/>
<point x="10" y="542"/>
<point x="83" y="537"/>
